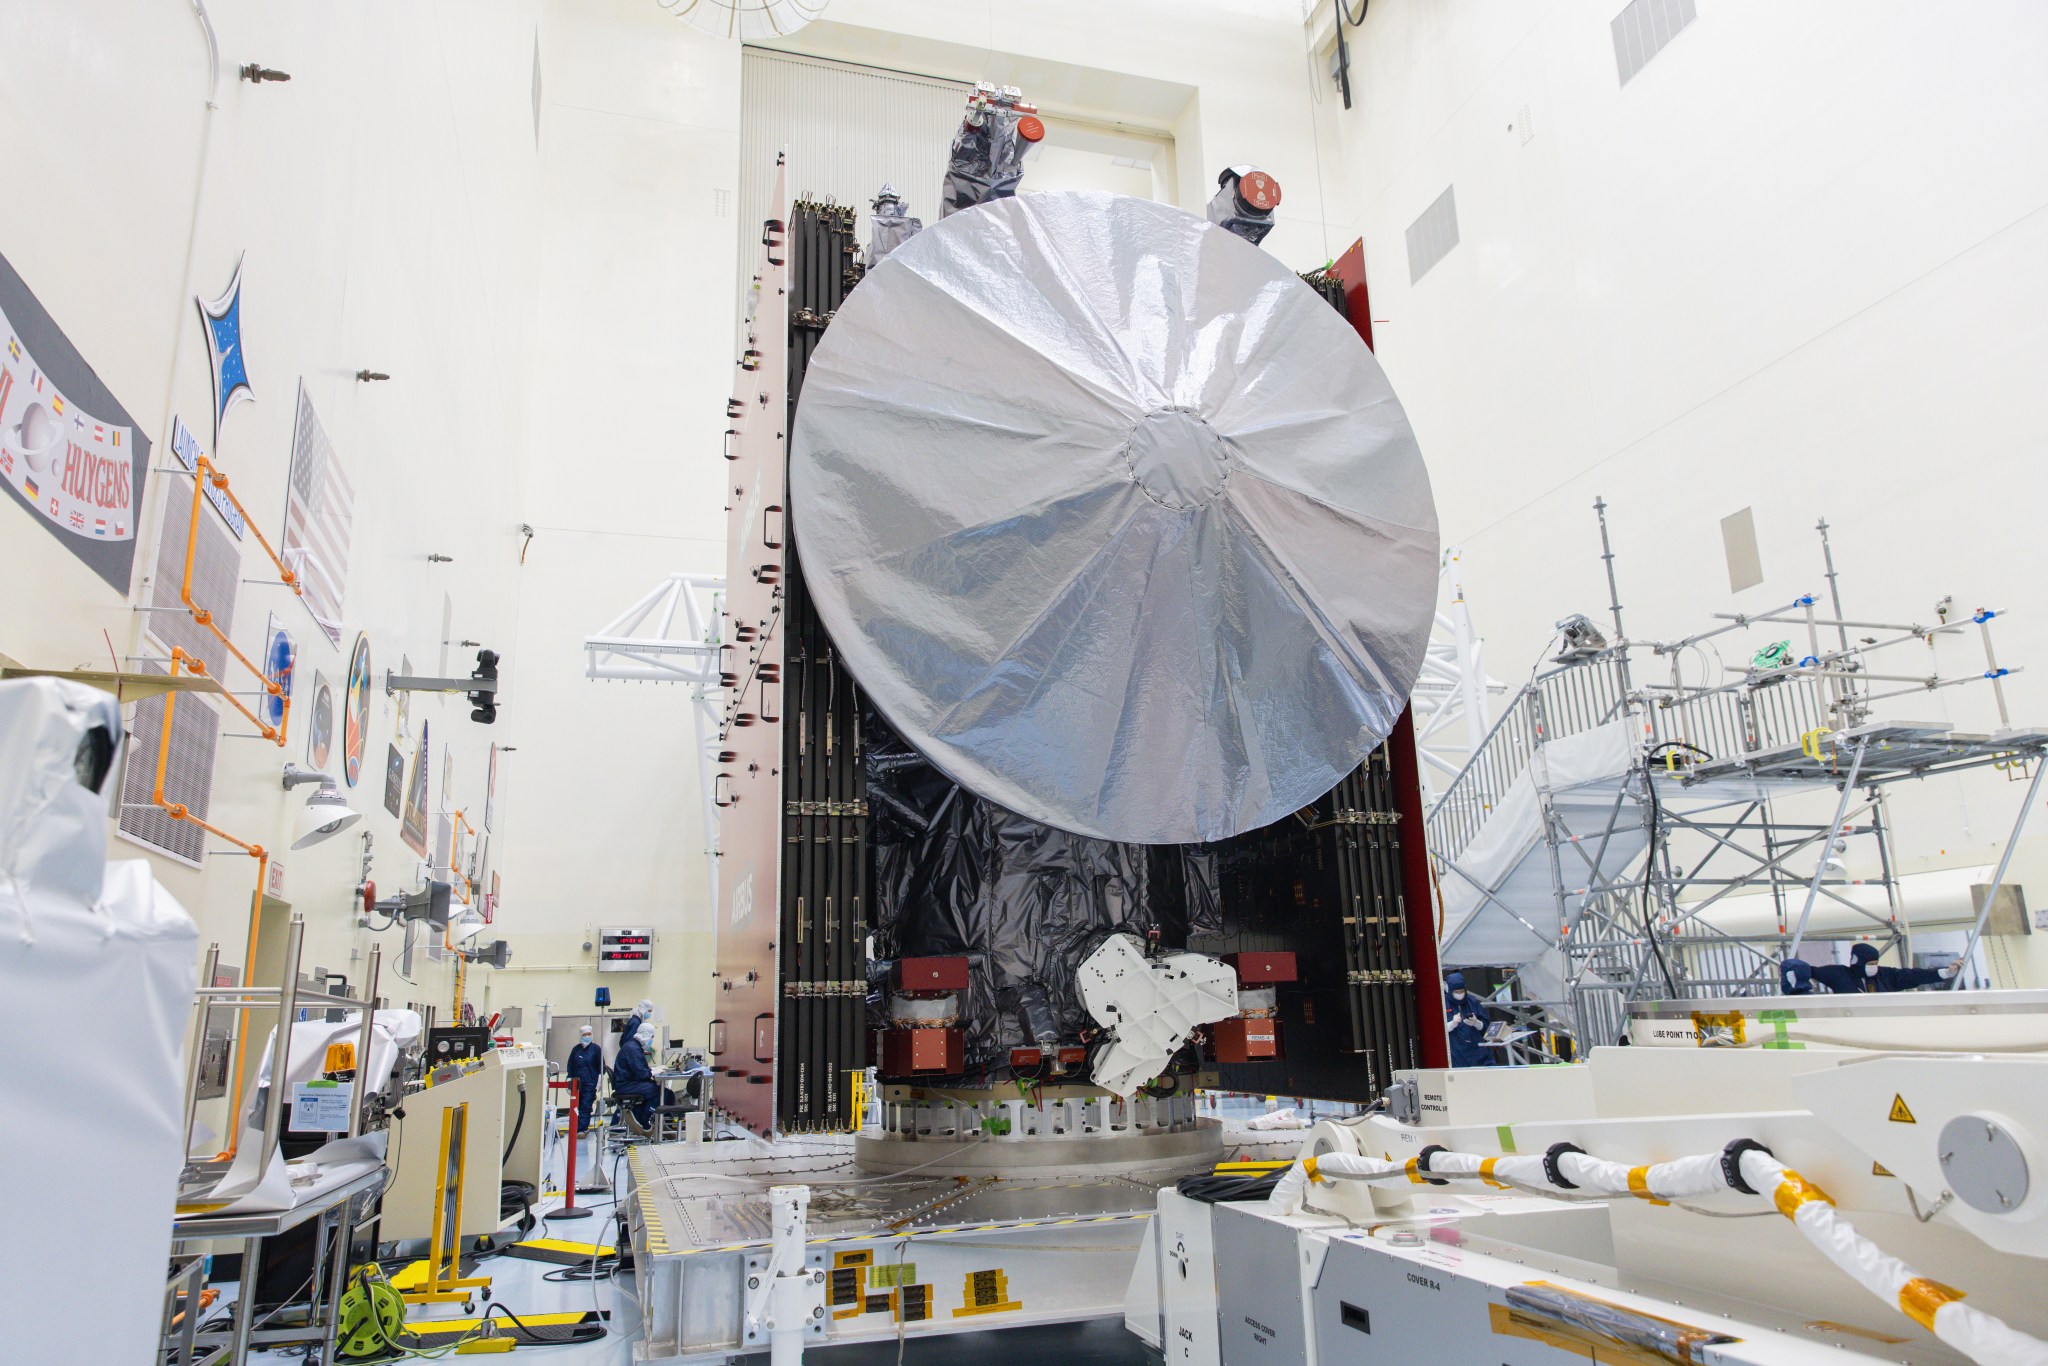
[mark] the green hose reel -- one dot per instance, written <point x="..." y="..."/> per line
<point x="372" y="1315"/>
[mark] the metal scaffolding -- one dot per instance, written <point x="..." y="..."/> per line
<point x="1615" y="816"/>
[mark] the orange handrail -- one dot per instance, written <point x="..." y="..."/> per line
<point x="178" y="811"/>
<point x="207" y="473"/>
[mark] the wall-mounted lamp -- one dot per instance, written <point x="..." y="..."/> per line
<point x="327" y="812"/>
<point x="257" y="74"/>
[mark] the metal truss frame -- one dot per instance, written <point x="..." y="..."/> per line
<point x="1710" y="762"/>
<point x="642" y="645"/>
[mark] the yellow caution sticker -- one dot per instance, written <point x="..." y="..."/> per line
<point x="1877" y="1169"/>
<point x="986" y="1292"/>
<point x="1900" y="1114"/>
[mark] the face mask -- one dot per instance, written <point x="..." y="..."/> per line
<point x="1870" y="969"/>
<point x="1457" y="996"/>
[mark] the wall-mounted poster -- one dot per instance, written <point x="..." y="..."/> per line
<point x="355" y="712"/>
<point x="221" y="317"/>
<point x="319" y="519"/>
<point x="280" y="657"/>
<point x="403" y="701"/>
<point x="394" y="780"/>
<point x="491" y="899"/>
<point x="412" y="822"/>
<point x="491" y="789"/>
<point x="320" y="724"/>
<point x="69" y="453"/>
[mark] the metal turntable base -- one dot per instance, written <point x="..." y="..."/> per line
<point x="1063" y="1239"/>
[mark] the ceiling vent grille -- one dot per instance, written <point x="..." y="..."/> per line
<point x="188" y="776"/>
<point x="216" y="578"/>
<point x="1431" y="237"/>
<point x="1645" y="29"/>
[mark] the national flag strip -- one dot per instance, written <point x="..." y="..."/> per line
<point x="30" y="488"/>
<point x="56" y="401"/>
<point x="14" y="348"/>
<point x="99" y="526"/>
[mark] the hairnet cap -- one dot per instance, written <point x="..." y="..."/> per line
<point x="645" y="1008"/>
<point x="585" y="1029"/>
<point x="1455" y="980"/>
<point x="1864" y="953"/>
<point x="1798" y="972"/>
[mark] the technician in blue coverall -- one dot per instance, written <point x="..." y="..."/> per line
<point x="633" y="1079"/>
<point x="1466" y="1019"/>
<point x="1863" y="974"/>
<point x="586" y="1065"/>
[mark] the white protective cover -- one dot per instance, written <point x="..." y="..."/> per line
<point x="97" y="972"/>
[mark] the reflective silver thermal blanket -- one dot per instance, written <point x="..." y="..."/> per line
<point x="1115" y="519"/>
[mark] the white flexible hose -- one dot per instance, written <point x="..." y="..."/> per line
<point x="1982" y="1337"/>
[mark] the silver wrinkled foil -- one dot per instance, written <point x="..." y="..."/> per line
<point x="1114" y="519"/>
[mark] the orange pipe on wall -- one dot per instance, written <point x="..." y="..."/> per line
<point x="177" y="811"/>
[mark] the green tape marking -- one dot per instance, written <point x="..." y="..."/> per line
<point x="1780" y="1022"/>
<point x="1506" y="1133"/>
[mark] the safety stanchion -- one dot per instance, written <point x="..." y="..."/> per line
<point x="568" y="1209"/>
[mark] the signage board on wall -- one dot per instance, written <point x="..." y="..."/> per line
<point x="186" y="447"/>
<point x="625" y="948"/>
<point x="69" y="453"/>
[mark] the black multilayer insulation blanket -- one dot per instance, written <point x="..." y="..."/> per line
<point x="958" y="876"/>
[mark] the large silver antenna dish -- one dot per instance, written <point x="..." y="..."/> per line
<point x="746" y="19"/>
<point x="1115" y="519"/>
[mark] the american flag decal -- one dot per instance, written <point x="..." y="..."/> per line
<point x="318" y="519"/>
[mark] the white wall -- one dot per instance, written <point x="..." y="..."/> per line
<point x="1226" y="79"/>
<point x="556" y="309"/>
<point x="385" y="201"/>
<point x="1794" y="264"/>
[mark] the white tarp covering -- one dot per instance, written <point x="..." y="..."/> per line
<point x="97" y="972"/>
<point x="1517" y="922"/>
<point x="242" y="1188"/>
<point x="1117" y="521"/>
